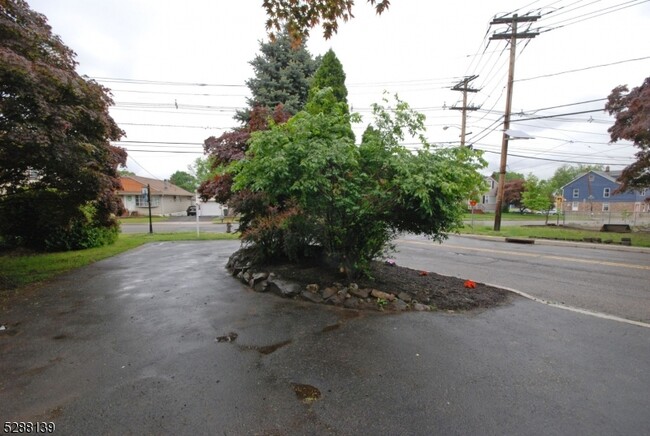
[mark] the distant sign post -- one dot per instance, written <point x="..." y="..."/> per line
<point x="146" y="194"/>
<point x="472" y="203"/>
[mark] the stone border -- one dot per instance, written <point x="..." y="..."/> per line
<point x="350" y="296"/>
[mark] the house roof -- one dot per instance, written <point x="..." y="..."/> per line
<point x="134" y="184"/>
<point x="609" y="175"/>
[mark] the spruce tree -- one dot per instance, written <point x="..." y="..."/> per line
<point x="282" y="76"/>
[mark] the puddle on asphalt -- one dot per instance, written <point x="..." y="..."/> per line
<point x="271" y="348"/>
<point x="306" y="393"/>
<point x="329" y="328"/>
<point x="58" y="337"/>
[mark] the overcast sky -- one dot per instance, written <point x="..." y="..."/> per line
<point x="157" y="55"/>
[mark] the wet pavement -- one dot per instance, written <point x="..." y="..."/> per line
<point x="160" y="340"/>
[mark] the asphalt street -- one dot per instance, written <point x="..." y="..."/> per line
<point x="129" y="345"/>
<point x="599" y="278"/>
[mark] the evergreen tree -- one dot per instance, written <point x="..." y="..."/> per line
<point x="282" y="76"/>
<point x="330" y="74"/>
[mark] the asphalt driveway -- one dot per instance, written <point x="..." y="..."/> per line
<point x="129" y="346"/>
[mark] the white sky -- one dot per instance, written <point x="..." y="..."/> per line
<point x="418" y="49"/>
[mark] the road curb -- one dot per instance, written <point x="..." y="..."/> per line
<point x="572" y="244"/>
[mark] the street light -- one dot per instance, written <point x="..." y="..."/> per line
<point x="462" y="135"/>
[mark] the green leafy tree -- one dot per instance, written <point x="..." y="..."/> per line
<point x="632" y="112"/>
<point x="299" y="16"/>
<point x="538" y="195"/>
<point x="317" y="188"/>
<point x="184" y="180"/>
<point x="510" y="176"/>
<point x="58" y="169"/>
<point x="123" y="173"/>
<point x="282" y="76"/>
<point x="202" y="169"/>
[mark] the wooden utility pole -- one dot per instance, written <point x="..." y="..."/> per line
<point x="462" y="86"/>
<point x="512" y="36"/>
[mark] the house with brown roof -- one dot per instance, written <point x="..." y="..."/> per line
<point x="166" y="198"/>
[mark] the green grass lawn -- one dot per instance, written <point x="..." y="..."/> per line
<point x="142" y="219"/>
<point x="639" y="239"/>
<point x="19" y="269"/>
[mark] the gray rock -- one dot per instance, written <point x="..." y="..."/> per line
<point x="262" y="286"/>
<point x="353" y="286"/>
<point x="404" y="297"/>
<point x="336" y="299"/>
<point x="361" y="293"/>
<point x="421" y="307"/>
<point x="283" y="288"/>
<point x="351" y="303"/>
<point x="310" y="296"/>
<point x="258" y="277"/>
<point x="383" y="295"/>
<point x="247" y="276"/>
<point x="329" y="292"/>
<point x="398" y="306"/>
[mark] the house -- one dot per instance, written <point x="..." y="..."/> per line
<point x="488" y="200"/>
<point x="594" y="192"/>
<point x="166" y="198"/>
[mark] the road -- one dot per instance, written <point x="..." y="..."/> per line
<point x="592" y="277"/>
<point x="595" y="277"/>
<point x="178" y="224"/>
<point x="128" y="345"/>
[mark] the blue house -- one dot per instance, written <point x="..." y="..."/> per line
<point x="594" y="192"/>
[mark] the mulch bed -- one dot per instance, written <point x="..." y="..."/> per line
<point x="438" y="291"/>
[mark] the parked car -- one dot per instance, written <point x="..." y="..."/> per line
<point x="191" y="210"/>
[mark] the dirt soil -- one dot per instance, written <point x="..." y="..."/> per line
<point x="440" y="292"/>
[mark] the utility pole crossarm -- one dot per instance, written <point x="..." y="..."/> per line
<point x="516" y="18"/>
<point x="522" y="35"/>
<point x="462" y="86"/>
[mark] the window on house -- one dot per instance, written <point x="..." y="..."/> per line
<point x="140" y="201"/>
<point x="575" y="205"/>
<point x="644" y="191"/>
<point x="606" y="192"/>
<point x="605" y="207"/>
<point x="591" y="177"/>
<point x="576" y="193"/>
<point x="486" y="199"/>
<point x="491" y="184"/>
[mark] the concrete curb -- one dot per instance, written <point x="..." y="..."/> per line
<point x="572" y="244"/>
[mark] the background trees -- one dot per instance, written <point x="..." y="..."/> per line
<point x="58" y="170"/>
<point x="632" y="112"/>
<point x="184" y="180"/>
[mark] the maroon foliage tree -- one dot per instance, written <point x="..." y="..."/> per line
<point x="512" y="191"/>
<point x="632" y="112"/>
<point x="58" y="169"/>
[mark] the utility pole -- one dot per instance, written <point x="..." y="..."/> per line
<point x="512" y="36"/>
<point x="462" y="86"/>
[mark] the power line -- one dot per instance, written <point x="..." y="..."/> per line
<point x="583" y="69"/>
